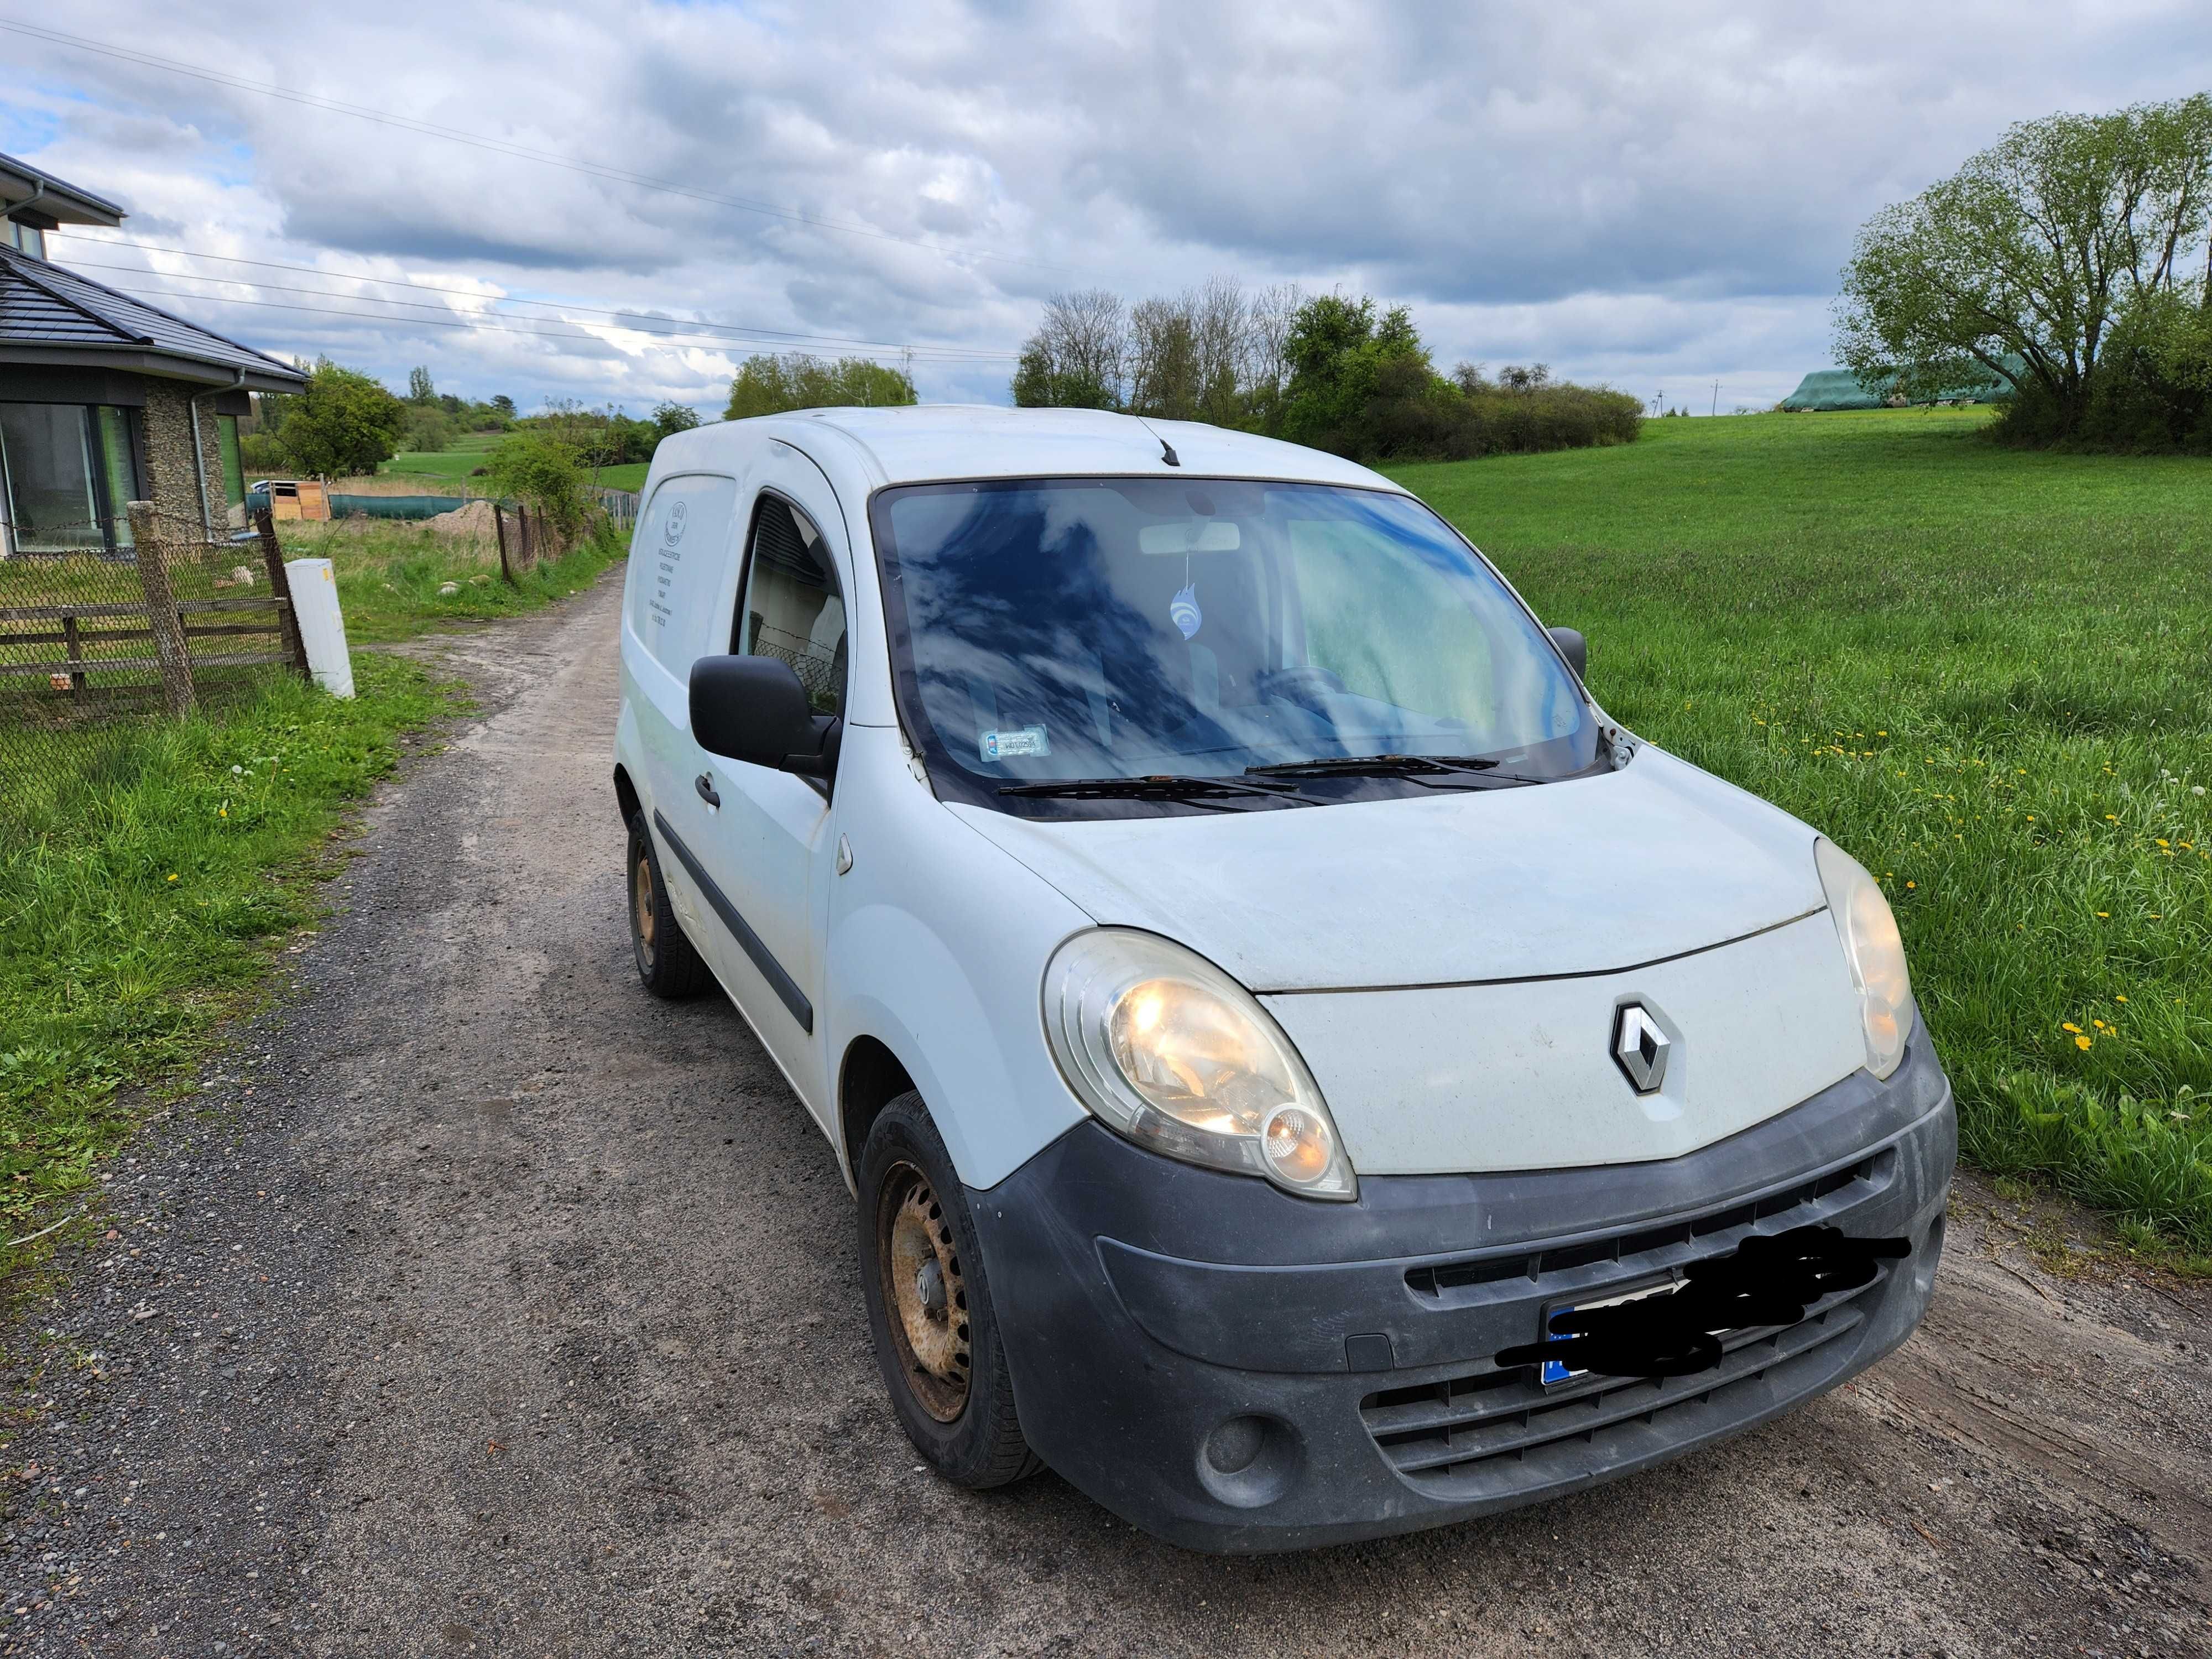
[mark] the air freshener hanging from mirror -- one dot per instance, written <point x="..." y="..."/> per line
<point x="1183" y="609"/>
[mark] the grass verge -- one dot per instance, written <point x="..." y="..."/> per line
<point x="139" y="897"/>
<point x="1987" y="675"/>
<point x="392" y="574"/>
<point x="143" y="887"/>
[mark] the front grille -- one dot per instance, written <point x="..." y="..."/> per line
<point x="1480" y="1432"/>
<point x="1442" y="1433"/>
<point x="1828" y="1195"/>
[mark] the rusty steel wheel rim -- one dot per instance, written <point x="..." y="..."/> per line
<point x="640" y="907"/>
<point x="919" y="1268"/>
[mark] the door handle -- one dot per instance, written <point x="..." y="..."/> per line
<point x="705" y="785"/>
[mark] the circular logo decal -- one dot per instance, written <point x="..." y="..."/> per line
<point x="678" y="515"/>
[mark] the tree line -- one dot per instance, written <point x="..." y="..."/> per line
<point x="1327" y="370"/>
<point x="2071" y="260"/>
<point x="345" y="423"/>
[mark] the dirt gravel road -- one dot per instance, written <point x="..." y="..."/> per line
<point x="486" y="1306"/>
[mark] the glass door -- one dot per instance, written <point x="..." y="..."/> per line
<point x="53" y="501"/>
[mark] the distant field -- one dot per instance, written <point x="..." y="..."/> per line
<point x="449" y="469"/>
<point x="1987" y="675"/>
<point x="449" y="466"/>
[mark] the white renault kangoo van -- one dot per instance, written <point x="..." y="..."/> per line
<point x="1264" y="1009"/>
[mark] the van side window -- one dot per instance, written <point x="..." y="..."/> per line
<point x="792" y="608"/>
<point x="680" y="555"/>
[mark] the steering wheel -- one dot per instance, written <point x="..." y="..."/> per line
<point x="1304" y="685"/>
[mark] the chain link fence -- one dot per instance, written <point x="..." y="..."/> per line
<point x="144" y="620"/>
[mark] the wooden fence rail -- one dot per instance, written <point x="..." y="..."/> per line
<point x="169" y="625"/>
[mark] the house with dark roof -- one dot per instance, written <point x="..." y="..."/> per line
<point x="105" y="399"/>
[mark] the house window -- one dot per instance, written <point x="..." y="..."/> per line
<point x="26" y="238"/>
<point x="68" y="472"/>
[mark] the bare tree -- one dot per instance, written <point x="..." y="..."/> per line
<point x="1162" y="359"/>
<point x="1083" y="348"/>
<point x="1268" y="333"/>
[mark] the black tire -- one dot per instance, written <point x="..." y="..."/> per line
<point x="666" y="961"/>
<point x="954" y="1397"/>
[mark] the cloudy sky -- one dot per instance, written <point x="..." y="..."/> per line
<point x="1655" y="196"/>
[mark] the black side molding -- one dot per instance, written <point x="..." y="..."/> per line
<point x="785" y="987"/>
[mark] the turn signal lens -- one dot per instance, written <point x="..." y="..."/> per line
<point x="1874" y="951"/>
<point x="1167" y="1050"/>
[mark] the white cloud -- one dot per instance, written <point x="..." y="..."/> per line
<point x="1658" y="197"/>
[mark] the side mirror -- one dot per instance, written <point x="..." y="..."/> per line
<point x="754" y="710"/>
<point x="1574" y="648"/>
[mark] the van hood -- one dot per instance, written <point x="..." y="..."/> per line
<point x="1589" y="876"/>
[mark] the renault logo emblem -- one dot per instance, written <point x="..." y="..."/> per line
<point x="1639" y="1049"/>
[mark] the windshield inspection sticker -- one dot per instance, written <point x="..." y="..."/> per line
<point x="1022" y="740"/>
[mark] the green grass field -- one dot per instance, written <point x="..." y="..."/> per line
<point x="1988" y="676"/>
<point x="450" y="468"/>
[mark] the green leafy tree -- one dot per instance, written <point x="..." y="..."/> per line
<point x="342" y="423"/>
<point x="2036" y="252"/>
<point x="1339" y="351"/>
<point x="542" y="472"/>
<point x="419" y="389"/>
<point x="429" y="429"/>
<point x="673" y="417"/>
<point x="503" y="406"/>
<point x="772" y="385"/>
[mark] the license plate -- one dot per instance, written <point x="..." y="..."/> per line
<point x="1553" y="1371"/>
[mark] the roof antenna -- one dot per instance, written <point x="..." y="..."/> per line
<point x="1167" y="450"/>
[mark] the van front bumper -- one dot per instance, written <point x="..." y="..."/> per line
<point x="1236" y="1369"/>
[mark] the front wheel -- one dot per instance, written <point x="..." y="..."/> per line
<point x="666" y="961"/>
<point x="929" y="1305"/>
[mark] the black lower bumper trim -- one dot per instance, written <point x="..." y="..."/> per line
<point x="1236" y="1369"/>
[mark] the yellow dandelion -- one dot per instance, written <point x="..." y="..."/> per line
<point x="2119" y="997"/>
<point x="2080" y="1042"/>
<point x="2111" y="817"/>
<point x="1881" y="734"/>
<point x="2031" y="817"/>
<point x="2069" y="1026"/>
<point x="2159" y="841"/>
<point x="2106" y="913"/>
<point x="1912" y="884"/>
<point x="2099" y="1023"/>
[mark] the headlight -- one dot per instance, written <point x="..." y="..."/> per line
<point x="1169" y="1051"/>
<point x="1875" y="952"/>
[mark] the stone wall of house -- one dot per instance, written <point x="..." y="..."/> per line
<point x="170" y="458"/>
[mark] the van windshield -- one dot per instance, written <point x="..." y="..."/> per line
<point x="1102" y="628"/>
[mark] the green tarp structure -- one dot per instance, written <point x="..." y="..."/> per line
<point x="395" y="506"/>
<point x="376" y="507"/>
<point x="1838" y="388"/>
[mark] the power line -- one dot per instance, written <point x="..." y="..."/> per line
<point x="501" y="145"/>
<point x="633" y="319"/>
<point x="485" y="327"/>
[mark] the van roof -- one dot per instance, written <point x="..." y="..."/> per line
<point x="922" y="442"/>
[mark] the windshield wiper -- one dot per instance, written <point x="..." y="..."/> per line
<point x="1429" y="771"/>
<point x="1160" y="786"/>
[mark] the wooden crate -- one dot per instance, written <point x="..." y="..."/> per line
<point x="298" y="498"/>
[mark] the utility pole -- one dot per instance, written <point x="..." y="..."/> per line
<point x="1716" y="396"/>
